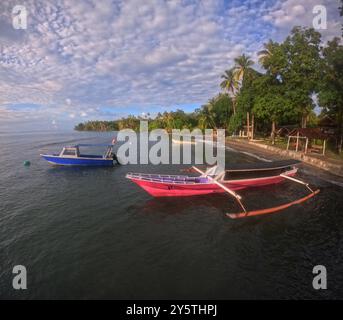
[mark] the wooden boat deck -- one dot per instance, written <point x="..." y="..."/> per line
<point x="256" y="166"/>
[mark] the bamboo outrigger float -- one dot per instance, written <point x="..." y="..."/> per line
<point x="235" y="178"/>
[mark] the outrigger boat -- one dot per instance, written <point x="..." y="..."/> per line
<point x="236" y="177"/>
<point x="71" y="156"/>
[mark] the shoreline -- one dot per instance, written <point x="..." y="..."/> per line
<point x="330" y="172"/>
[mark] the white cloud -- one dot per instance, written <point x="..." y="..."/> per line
<point x="77" y="56"/>
<point x="287" y="14"/>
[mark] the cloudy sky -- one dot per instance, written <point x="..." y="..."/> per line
<point x="104" y="59"/>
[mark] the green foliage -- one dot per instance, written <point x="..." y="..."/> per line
<point x="131" y="122"/>
<point x="303" y="70"/>
<point x="273" y="107"/>
<point x="331" y="87"/>
<point x="168" y="120"/>
<point x="271" y="101"/>
<point x="97" y="126"/>
<point x="205" y="118"/>
<point x="229" y="84"/>
<point x="235" y="123"/>
<point x="273" y="59"/>
<point x="248" y="92"/>
<point x="221" y="110"/>
<point x="312" y="120"/>
<point x="295" y="70"/>
<point x="242" y="66"/>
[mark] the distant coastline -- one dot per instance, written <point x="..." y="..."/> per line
<point x="201" y="118"/>
<point x="97" y="125"/>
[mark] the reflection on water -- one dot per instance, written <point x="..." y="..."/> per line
<point x="91" y="233"/>
<point x="178" y="205"/>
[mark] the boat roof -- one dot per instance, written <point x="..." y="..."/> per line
<point x="262" y="165"/>
<point x="94" y="145"/>
<point x="91" y="145"/>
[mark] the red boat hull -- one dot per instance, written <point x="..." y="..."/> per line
<point x="166" y="189"/>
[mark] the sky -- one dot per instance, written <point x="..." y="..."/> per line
<point x="92" y="59"/>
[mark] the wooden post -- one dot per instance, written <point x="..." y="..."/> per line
<point x="248" y="127"/>
<point x="297" y="145"/>
<point x="324" y="146"/>
<point x="252" y="126"/>
<point x="289" y="138"/>
<point x="272" y="135"/>
<point x="306" y="145"/>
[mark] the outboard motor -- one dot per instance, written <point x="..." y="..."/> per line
<point x="114" y="157"/>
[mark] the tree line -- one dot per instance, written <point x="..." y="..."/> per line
<point x="293" y="77"/>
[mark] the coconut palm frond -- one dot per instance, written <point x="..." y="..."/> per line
<point x="242" y="64"/>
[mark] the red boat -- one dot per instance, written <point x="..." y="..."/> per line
<point x="236" y="177"/>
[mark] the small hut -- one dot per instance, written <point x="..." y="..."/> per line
<point x="284" y="131"/>
<point x="327" y="125"/>
<point x="307" y="137"/>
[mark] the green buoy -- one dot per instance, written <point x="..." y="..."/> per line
<point x="27" y="163"/>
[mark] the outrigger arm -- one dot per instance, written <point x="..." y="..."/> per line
<point x="229" y="191"/>
<point x="246" y="213"/>
<point x="296" y="180"/>
<point x="280" y="207"/>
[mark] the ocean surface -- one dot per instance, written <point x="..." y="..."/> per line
<point x="89" y="233"/>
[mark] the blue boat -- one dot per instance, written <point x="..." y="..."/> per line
<point x="71" y="156"/>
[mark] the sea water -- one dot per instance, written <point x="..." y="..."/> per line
<point x="91" y="233"/>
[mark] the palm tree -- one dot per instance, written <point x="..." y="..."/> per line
<point x="265" y="54"/>
<point x="242" y="67"/>
<point x="168" y="120"/>
<point x="272" y="58"/>
<point x="233" y="78"/>
<point x="206" y="119"/>
<point x="230" y="85"/>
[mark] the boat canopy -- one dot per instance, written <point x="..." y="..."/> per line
<point x="74" y="151"/>
<point x="94" y="145"/>
<point x="262" y="165"/>
<point x="254" y="167"/>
